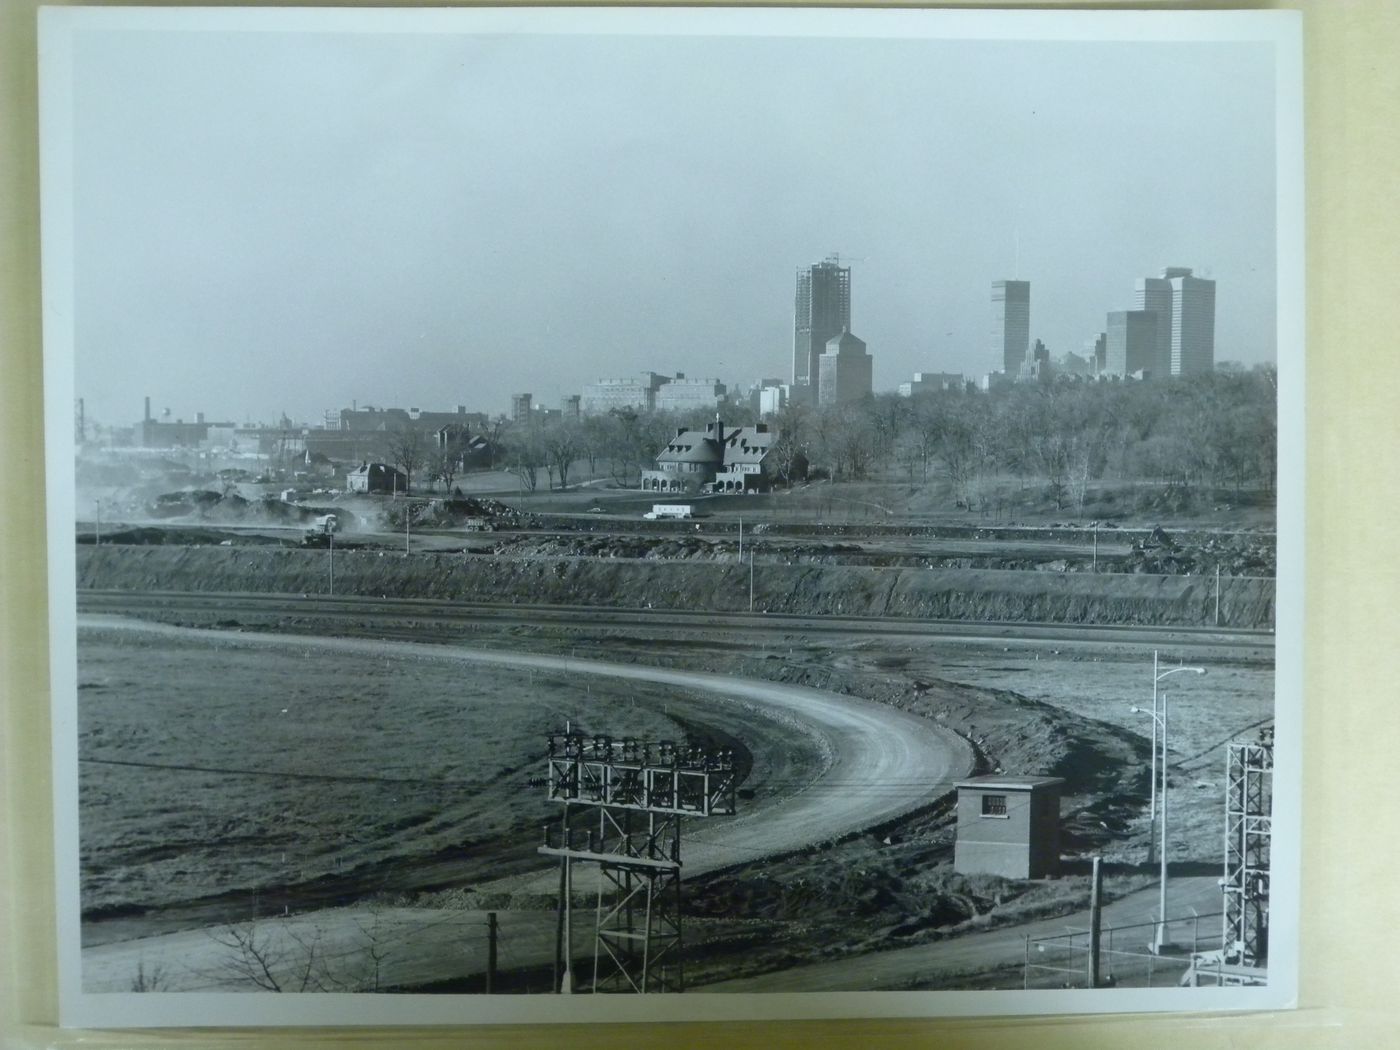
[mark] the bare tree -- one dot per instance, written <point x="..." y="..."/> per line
<point x="443" y="464"/>
<point x="563" y="443"/>
<point x="148" y="980"/>
<point x="524" y="454"/>
<point x="258" y="956"/>
<point x="406" y="449"/>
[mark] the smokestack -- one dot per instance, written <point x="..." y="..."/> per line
<point x="148" y="409"/>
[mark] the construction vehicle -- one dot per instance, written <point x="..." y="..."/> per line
<point x="320" y="531"/>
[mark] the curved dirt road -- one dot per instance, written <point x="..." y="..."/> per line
<point x="868" y="748"/>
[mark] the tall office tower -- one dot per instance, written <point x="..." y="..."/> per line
<point x="1011" y="325"/>
<point x="520" y="407"/>
<point x="1185" y="309"/>
<point x="1154" y="294"/>
<point x="845" y="370"/>
<point x="1131" y="345"/>
<point x="822" y="312"/>
<point x="1193" y="323"/>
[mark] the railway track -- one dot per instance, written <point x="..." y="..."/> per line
<point x="391" y="611"/>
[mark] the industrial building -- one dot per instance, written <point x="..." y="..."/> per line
<point x="1008" y="826"/>
<point x="821" y="311"/>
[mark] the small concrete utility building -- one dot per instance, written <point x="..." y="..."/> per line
<point x="1008" y="826"/>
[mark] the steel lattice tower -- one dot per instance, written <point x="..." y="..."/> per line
<point x="640" y="792"/>
<point x="1249" y="798"/>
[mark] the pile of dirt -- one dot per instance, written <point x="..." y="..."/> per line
<point x="458" y="512"/>
<point x="229" y="507"/>
<point x="1161" y="553"/>
<point x="201" y="503"/>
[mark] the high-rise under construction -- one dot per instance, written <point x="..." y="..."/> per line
<point x="822" y="312"/>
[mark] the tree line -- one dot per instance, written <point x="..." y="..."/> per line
<point x="1214" y="430"/>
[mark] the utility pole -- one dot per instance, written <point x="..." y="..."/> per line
<point x="750" y="580"/>
<point x="1217" y="595"/>
<point x="491" y="934"/>
<point x="331" y="537"/>
<point x="1162" y="904"/>
<point x="741" y="541"/>
<point x="1095" y="922"/>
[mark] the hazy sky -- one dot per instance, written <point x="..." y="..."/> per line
<point x="279" y="222"/>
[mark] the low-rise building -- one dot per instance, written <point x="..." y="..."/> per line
<point x="682" y="394"/>
<point x="376" y="477"/>
<point x="637" y="393"/>
<point x="1008" y="826"/>
<point x="718" y="460"/>
<point x="923" y="382"/>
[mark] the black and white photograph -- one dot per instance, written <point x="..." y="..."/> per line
<point x="619" y="514"/>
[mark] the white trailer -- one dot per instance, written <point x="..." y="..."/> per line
<point x="669" y="510"/>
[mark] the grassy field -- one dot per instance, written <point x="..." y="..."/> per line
<point x="221" y="769"/>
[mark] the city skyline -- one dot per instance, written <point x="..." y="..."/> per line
<point x="292" y="223"/>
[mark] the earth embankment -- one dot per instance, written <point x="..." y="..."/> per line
<point x="971" y="594"/>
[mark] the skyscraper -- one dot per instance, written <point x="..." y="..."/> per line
<point x="1132" y="342"/>
<point x="1193" y="324"/>
<point x="1185" y="308"/>
<point x="822" y="311"/>
<point x="844" y="370"/>
<point x="1154" y="294"/>
<point x="1011" y="325"/>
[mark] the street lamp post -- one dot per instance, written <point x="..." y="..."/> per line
<point x="1159" y="717"/>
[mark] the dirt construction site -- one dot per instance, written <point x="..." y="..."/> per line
<point x="319" y="768"/>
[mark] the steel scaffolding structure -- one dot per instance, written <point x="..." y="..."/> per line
<point x="1244" y="956"/>
<point x="1249" y="797"/>
<point x="640" y="791"/>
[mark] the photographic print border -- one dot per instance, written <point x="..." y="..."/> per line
<point x="160" y="1009"/>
